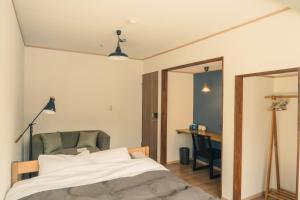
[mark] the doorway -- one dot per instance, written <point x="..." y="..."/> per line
<point x="176" y="90"/>
<point x="150" y="112"/>
<point x="274" y="157"/>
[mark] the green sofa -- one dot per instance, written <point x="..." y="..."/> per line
<point x="69" y="141"/>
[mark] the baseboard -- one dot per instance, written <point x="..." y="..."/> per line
<point x="255" y="196"/>
<point x="252" y="197"/>
<point x="191" y="160"/>
<point x="173" y="162"/>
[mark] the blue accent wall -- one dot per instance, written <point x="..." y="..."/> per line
<point x="208" y="106"/>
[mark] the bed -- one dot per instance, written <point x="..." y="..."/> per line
<point x="107" y="175"/>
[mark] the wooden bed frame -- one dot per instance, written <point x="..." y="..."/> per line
<point x="19" y="168"/>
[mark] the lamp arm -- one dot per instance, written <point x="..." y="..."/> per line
<point x="18" y="139"/>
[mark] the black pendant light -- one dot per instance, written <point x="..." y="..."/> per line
<point x="205" y="88"/>
<point x="118" y="54"/>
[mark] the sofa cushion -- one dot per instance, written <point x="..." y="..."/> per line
<point x="87" y="139"/>
<point x="52" y="142"/>
<point x="70" y="139"/>
<point x="68" y="151"/>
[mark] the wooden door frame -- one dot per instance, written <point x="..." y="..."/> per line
<point x="238" y="129"/>
<point x="156" y="74"/>
<point x="164" y="103"/>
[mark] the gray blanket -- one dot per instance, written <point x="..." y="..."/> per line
<point x="154" y="185"/>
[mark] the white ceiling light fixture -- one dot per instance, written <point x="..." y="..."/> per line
<point x="205" y="88"/>
<point x="118" y="54"/>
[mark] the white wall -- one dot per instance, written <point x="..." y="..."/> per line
<point x="85" y="87"/>
<point x="11" y="87"/>
<point x="180" y="112"/>
<point x="269" y="44"/>
<point x="287" y="133"/>
<point x="256" y="130"/>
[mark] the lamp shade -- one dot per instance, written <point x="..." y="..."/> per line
<point x="118" y="54"/>
<point x="50" y="107"/>
<point x="205" y="88"/>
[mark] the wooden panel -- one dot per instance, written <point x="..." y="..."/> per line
<point x="270" y="155"/>
<point x="25" y="167"/>
<point x="144" y="150"/>
<point x="281" y="195"/>
<point x="150" y="107"/>
<point x="281" y="96"/>
<point x="164" y="116"/>
<point x="213" y="136"/>
<point x="19" y="168"/>
<point x="276" y="150"/>
<point x="195" y="63"/>
<point x="270" y="72"/>
<point x="238" y="119"/>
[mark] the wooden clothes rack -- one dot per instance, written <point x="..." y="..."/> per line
<point x="281" y="96"/>
<point x="278" y="193"/>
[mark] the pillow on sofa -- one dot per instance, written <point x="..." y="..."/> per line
<point x="66" y="151"/>
<point x="52" y="142"/>
<point x="87" y="139"/>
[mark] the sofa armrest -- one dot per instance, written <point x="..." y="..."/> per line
<point x="37" y="146"/>
<point x="103" y="141"/>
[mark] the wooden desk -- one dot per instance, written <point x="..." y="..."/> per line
<point x="213" y="136"/>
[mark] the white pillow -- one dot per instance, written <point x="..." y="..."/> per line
<point x="111" y="155"/>
<point x="137" y="155"/>
<point x="50" y="163"/>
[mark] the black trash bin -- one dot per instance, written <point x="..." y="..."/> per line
<point x="184" y="154"/>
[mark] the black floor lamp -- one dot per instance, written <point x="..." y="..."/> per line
<point x="49" y="109"/>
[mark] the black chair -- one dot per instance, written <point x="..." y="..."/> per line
<point x="202" y="147"/>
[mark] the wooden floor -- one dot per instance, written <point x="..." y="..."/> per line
<point x="259" y="198"/>
<point x="197" y="178"/>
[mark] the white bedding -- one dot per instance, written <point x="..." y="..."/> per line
<point x="50" y="163"/>
<point x="83" y="174"/>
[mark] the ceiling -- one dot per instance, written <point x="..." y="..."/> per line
<point x="89" y="25"/>
<point x="213" y="66"/>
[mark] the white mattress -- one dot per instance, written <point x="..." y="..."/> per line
<point x="83" y="174"/>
